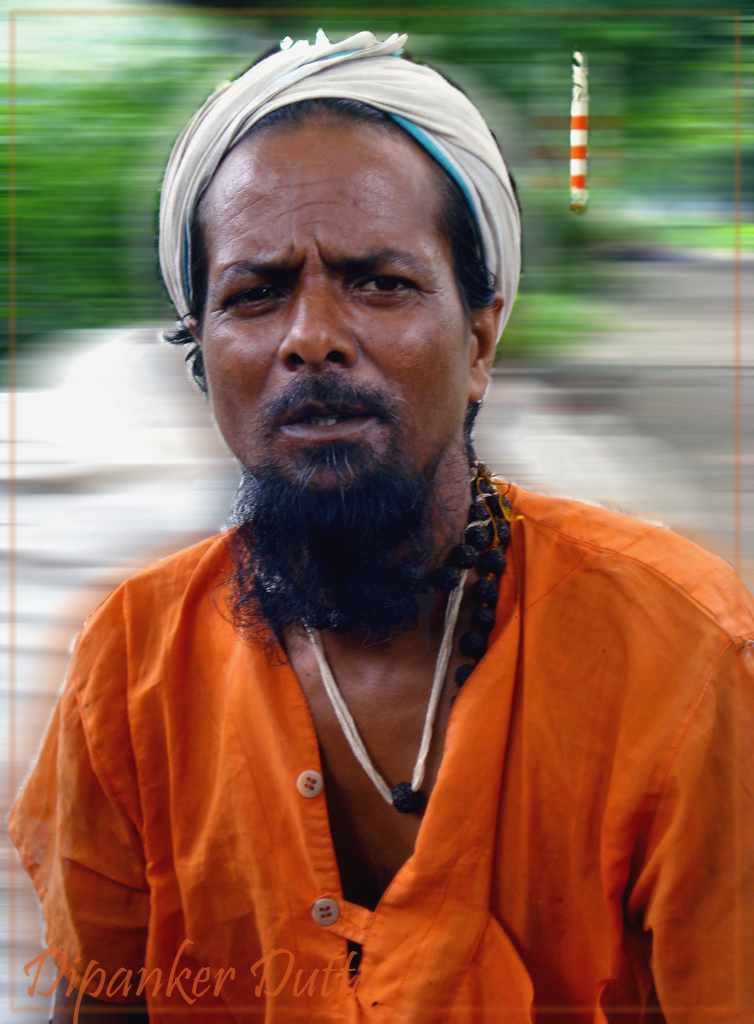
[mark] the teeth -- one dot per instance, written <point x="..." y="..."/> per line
<point x="323" y="421"/>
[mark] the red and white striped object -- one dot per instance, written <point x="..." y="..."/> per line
<point x="579" y="133"/>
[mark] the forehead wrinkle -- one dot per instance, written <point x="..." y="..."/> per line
<point x="240" y="173"/>
<point x="333" y="241"/>
<point x="262" y="182"/>
<point x="286" y="202"/>
<point x="315" y="213"/>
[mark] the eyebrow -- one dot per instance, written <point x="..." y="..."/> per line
<point x="374" y="260"/>
<point x="367" y="263"/>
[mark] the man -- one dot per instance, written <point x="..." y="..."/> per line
<point x="260" y="797"/>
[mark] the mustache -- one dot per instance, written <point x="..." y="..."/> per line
<point x="336" y="395"/>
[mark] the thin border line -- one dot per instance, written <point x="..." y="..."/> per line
<point x="293" y="12"/>
<point x="12" y="455"/>
<point x="387" y="12"/>
<point x="737" y="462"/>
<point x="737" y="353"/>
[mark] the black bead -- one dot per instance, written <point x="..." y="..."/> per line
<point x="472" y="645"/>
<point x="503" y="531"/>
<point x="491" y="561"/>
<point x="445" y="578"/>
<point x="485" y="592"/>
<point x="477" y="512"/>
<point x="479" y="536"/>
<point x="462" y="674"/>
<point x="483" y="619"/>
<point x="495" y="507"/>
<point x="405" y="799"/>
<point x="463" y="556"/>
<point x="481" y="487"/>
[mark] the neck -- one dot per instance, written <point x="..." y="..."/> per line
<point x="383" y="670"/>
<point x="452" y="497"/>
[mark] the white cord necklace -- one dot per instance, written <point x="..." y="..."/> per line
<point x="402" y="792"/>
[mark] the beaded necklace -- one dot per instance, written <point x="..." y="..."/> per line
<point x="483" y="548"/>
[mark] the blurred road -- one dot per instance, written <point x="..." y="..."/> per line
<point x="642" y="416"/>
<point x="120" y="464"/>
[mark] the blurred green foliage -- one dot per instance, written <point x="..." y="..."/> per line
<point x="100" y="97"/>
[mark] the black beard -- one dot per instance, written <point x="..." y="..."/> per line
<point x="348" y="557"/>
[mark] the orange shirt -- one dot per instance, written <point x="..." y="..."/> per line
<point x="588" y="843"/>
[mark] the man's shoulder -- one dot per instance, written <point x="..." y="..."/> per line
<point x="169" y="584"/>
<point x="144" y="628"/>
<point x="207" y="555"/>
<point x="563" y="536"/>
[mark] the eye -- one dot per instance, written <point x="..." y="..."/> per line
<point x="262" y="293"/>
<point x="384" y="283"/>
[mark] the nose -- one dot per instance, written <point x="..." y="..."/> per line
<point x="317" y="335"/>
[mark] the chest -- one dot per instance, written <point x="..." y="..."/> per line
<point x="371" y="838"/>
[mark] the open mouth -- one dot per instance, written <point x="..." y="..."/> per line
<point x="324" y="421"/>
<point x="316" y="414"/>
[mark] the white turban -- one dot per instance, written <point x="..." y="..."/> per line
<point x="360" y="68"/>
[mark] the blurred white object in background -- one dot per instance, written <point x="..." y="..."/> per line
<point x="125" y="400"/>
<point x="117" y="464"/>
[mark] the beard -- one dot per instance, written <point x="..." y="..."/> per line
<point x="347" y="556"/>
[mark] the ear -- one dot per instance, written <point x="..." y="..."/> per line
<point x="484" y="328"/>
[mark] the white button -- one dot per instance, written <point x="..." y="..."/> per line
<point x="325" y="911"/>
<point x="309" y="783"/>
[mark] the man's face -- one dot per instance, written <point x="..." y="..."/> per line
<point x="325" y="261"/>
